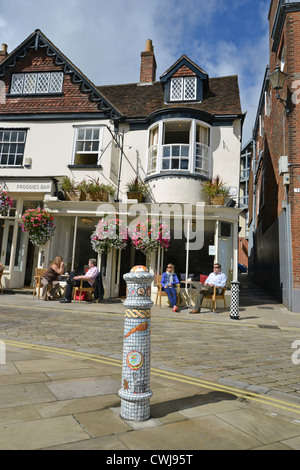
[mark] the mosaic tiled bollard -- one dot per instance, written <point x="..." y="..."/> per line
<point x="135" y="392"/>
<point x="235" y="300"/>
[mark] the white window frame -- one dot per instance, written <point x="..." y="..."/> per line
<point x="191" y="170"/>
<point x="31" y="83"/>
<point x="183" y="81"/>
<point x="97" y="153"/>
<point x="10" y="147"/>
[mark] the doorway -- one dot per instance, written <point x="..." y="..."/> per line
<point x="7" y="230"/>
<point x="130" y="257"/>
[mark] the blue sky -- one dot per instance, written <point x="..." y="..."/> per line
<point x="105" y="38"/>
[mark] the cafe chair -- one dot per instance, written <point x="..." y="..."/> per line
<point x="161" y="293"/>
<point x="39" y="272"/>
<point x="80" y="290"/>
<point x="215" y="296"/>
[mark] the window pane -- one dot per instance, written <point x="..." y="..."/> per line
<point x="43" y="83"/>
<point x="81" y="134"/>
<point x="56" y="82"/>
<point x="88" y="134"/>
<point x="17" y="84"/>
<point x="21" y="136"/>
<point x="175" y="150"/>
<point x="19" y="159"/>
<point x="88" y="146"/>
<point x="79" y="146"/>
<point x="176" y="89"/>
<point x="190" y="88"/>
<point x="96" y="134"/>
<point x="184" y="164"/>
<point x="184" y="151"/>
<point x="20" y="148"/>
<point x="166" y="151"/>
<point x="85" y="159"/>
<point x="13" y="148"/>
<point x="175" y="163"/>
<point x="11" y="159"/>
<point x="30" y="83"/>
<point x="165" y="164"/>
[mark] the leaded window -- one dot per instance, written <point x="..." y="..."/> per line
<point x="183" y="89"/>
<point x="36" y="83"/>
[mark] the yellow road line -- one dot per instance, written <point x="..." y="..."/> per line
<point x="244" y="394"/>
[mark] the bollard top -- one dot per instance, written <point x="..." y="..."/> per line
<point x="138" y="268"/>
<point x="139" y="273"/>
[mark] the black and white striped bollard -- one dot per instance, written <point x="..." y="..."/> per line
<point x="235" y="300"/>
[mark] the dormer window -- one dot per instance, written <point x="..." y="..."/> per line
<point x="184" y="82"/>
<point x="183" y="89"/>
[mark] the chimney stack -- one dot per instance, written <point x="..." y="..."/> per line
<point x="148" y="64"/>
<point x="3" y="52"/>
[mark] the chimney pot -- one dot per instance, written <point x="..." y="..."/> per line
<point x="149" y="46"/>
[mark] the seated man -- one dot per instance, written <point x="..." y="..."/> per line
<point x="216" y="278"/>
<point x="89" y="279"/>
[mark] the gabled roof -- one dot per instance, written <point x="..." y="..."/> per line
<point x="38" y="40"/>
<point x="183" y="60"/>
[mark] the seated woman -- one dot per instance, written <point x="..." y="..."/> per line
<point x="55" y="269"/>
<point x="168" y="281"/>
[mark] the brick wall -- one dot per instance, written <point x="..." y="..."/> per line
<point x="282" y="137"/>
<point x="71" y="100"/>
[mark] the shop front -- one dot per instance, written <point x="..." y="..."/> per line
<point x="76" y="221"/>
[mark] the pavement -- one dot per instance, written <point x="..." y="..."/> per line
<point x="217" y="383"/>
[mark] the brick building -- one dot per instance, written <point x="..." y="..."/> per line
<point x="274" y="205"/>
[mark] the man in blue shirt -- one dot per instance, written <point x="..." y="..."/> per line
<point x="216" y="278"/>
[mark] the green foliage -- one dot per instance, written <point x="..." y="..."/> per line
<point x="135" y="185"/>
<point x="215" y="187"/>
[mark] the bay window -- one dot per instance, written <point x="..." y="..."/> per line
<point x="179" y="146"/>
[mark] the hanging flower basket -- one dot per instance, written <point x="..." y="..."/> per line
<point x="149" y="235"/>
<point x="40" y="225"/>
<point x="5" y="202"/>
<point x="110" y="233"/>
